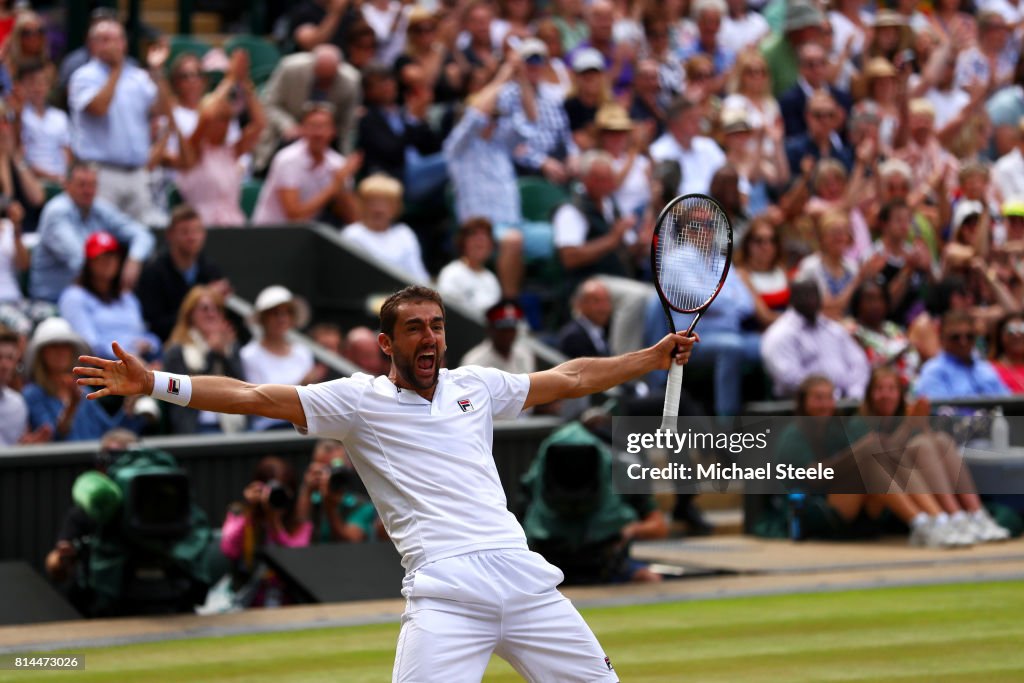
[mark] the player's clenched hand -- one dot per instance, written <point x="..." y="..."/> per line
<point x="124" y="377"/>
<point x="677" y="347"/>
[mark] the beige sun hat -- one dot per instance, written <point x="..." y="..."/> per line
<point x="275" y="296"/>
<point x="55" y="331"/>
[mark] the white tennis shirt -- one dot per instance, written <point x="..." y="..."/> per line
<point x="427" y="465"/>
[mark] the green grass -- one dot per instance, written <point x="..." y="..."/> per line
<point x="962" y="633"/>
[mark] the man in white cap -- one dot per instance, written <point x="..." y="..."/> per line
<point x="539" y="119"/>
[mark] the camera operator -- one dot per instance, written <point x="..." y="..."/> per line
<point x="62" y="560"/>
<point x="332" y="498"/>
<point x="268" y="516"/>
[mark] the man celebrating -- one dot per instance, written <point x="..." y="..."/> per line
<point x="420" y="439"/>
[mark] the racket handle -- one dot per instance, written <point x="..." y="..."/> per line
<point x="673" y="390"/>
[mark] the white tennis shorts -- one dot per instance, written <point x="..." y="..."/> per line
<point x="462" y="609"/>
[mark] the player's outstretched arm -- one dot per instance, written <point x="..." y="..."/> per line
<point x="128" y="376"/>
<point x="585" y="376"/>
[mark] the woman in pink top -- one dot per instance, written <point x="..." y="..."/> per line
<point x="267" y="517"/>
<point x="1006" y="351"/>
<point x="210" y="178"/>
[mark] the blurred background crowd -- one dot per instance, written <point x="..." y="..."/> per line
<point x="514" y="154"/>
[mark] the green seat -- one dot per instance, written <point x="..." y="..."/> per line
<point x="540" y="198"/>
<point x="51" y="189"/>
<point x="174" y="197"/>
<point x="186" y="45"/>
<point x="250" y="195"/>
<point x="263" y="55"/>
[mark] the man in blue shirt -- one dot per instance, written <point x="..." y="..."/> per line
<point x="67" y="221"/>
<point x="956" y="373"/>
<point x="110" y="101"/>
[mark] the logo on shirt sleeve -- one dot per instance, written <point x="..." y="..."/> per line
<point x="466" y="405"/>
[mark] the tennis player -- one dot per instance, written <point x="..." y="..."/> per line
<point x="420" y="439"/>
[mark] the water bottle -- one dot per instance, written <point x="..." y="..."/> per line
<point x="1000" y="432"/>
<point x="796" y="515"/>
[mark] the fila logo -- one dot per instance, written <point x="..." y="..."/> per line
<point x="466" y="405"/>
<point x="608" y="663"/>
<point x="173" y="386"/>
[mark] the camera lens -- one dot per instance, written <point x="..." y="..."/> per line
<point x="279" y="497"/>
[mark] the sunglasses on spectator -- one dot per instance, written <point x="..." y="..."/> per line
<point x="961" y="336"/>
<point x="423" y="28"/>
<point x="702" y="75"/>
<point x="1015" y="328"/>
<point x="823" y="113"/>
<point x="535" y="60"/>
<point x="32" y="31"/>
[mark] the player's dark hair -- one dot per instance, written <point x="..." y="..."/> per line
<point x="411" y="294"/>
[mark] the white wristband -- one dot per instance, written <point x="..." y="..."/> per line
<point x="175" y="389"/>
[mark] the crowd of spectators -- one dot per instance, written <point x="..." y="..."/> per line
<point x="870" y="159"/>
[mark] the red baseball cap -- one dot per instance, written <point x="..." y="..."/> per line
<point x="100" y="243"/>
<point x="504" y="314"/>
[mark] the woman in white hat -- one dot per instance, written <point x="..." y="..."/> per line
<point x="54" y="400"/>
<point x="273" y="359"/>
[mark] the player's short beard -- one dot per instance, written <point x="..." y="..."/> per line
<point x="406" y="369"/>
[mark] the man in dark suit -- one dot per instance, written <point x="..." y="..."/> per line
<point x="813" y="62"/>
<point x="167" y="278"/>
<point x="587" y="333"/>
<point x="822" y="140"/>
<point x="388" y="132"/>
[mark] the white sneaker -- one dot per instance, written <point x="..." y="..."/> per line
<point x="986" y="528"/>
<point x="956" y="534"/>
<point x="930" y="534"/>
<point x="967" y="530"/>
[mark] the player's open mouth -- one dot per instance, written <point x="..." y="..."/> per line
<point x="425" y="361"/>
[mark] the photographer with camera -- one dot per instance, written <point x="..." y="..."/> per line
<point x="268" y="516"/>
<point x="333" y="498"/>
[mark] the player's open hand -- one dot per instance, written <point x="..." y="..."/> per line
<point x="124" y="377"/>
<point x="675" y="347"/>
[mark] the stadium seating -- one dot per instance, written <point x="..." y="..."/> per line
<point x="191" y="45"/>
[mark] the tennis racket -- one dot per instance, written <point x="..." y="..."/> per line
<point x="690" y="256"/>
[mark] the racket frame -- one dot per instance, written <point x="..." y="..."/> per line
<point x="674" y="387"/>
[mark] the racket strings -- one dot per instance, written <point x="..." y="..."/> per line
<point x="692" y="253"/>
